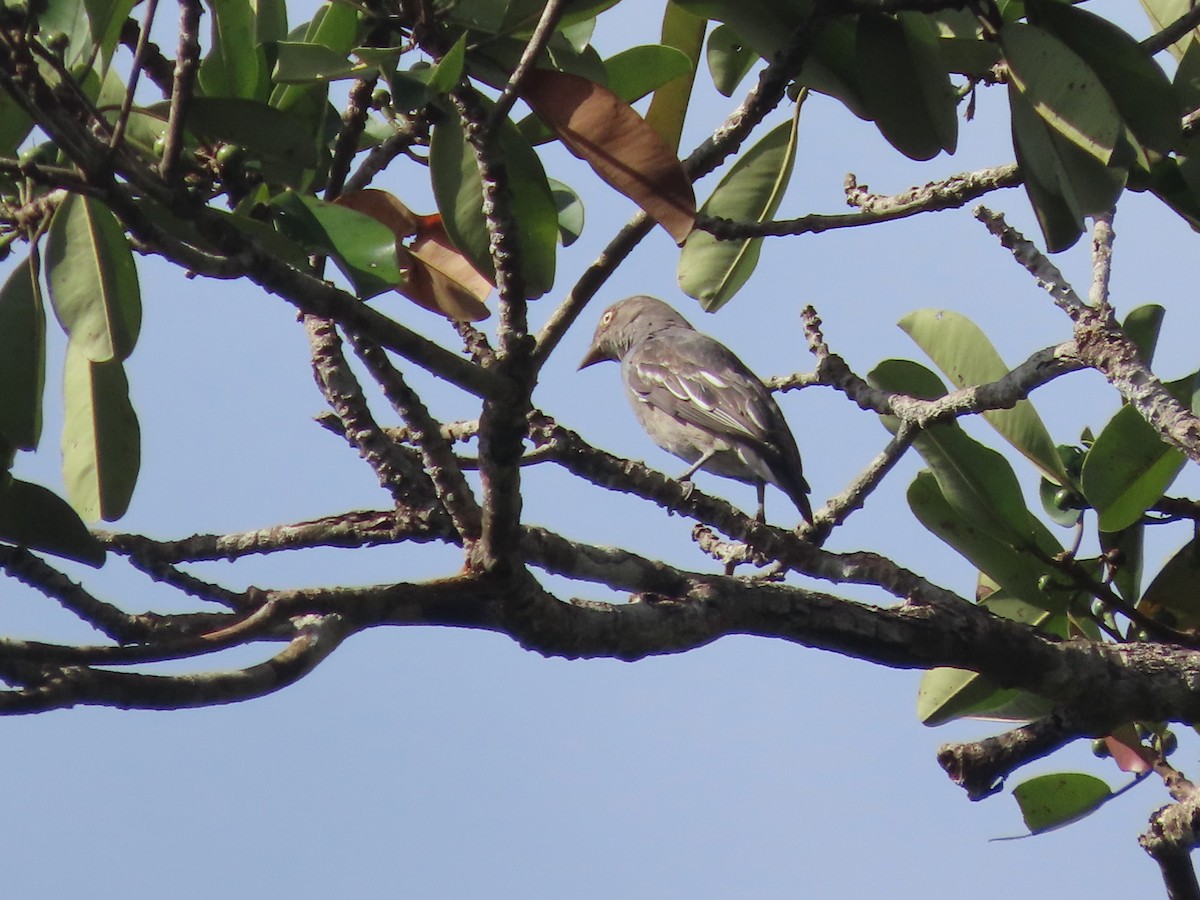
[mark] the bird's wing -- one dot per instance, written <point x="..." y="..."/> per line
<point x="697" y="380"/>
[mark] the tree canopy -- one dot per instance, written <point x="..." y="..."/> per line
<point x="389" y="172"/>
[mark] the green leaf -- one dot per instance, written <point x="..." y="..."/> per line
<point x="335" y="26"/>
<point x="1051" y="801"/>
<point x="1130" y="466"/>
<point x="570" y="212"/>
<point x="33" y="517"/>
<point x="459" y="193"/>
<point x="1128" y="548"/>
<point x="93" y="280"/>
<point x="729" y="59"/>
<point x="712" y="271"/>
<point x="106" y="17"/>
<point x="1052" y="494"/>
<point x="635" y="72"/>
<point x="1142" y="326"/>
<point x="1162" y="13"/>
<point x="363" y="248"/>
<point x="15" y="126"/>
<point x="684" y="31"/>
<point x="905" y="86"/>
<point x="1139" y="89"/>
<point x="1173" y="590"/>
<point x="262" y="130"/>
<point x="22" y="357"/>
<point x="946" y="694"/>
<point x="975" y="480"/>
<point x="235" y="66"/>
<point x="1062" y="89"/>
<point x="449" y="69"/>
<point x="299" y="63"/>
<point x="1017" y="571"/>
<point x="963" y="352"/>
<point x="100" y="437"/>
<point x="70" y="18"/>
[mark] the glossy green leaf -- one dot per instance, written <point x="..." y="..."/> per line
<point x="712" y="271"/>
<point x="101" y="440"/>
<point x="1162" y="13"/>
<point x="1062" y="89"/>
<point x="684" y="31"/>
<point x="1142" y="326"/>
<point x="1138" y="87"/>
<point x="729" y="59"/>
<point x="1051" y="801"/>
<point x="363" y="248"/>
<point x="963" y="352"/>
<point x="234" y="66"/>
<point x="1017" y="571"/>
<point x="32" y="516"/>
<point x="22" y="357"/>
<point x="459" y="193"/>
<point x="1130" y="466"/>
<point x="270" y="20"/>
<point x="93" y="280"/>
<point x="570" y="212"/>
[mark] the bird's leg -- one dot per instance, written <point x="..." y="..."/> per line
<point x="697" y="465"/>
<point x="761" y="488"/>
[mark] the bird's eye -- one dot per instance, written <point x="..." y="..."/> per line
<point x="607" y="317"/>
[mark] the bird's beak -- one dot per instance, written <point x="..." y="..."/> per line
<point x="594" y="355"/>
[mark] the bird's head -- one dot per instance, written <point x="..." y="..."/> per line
<point x="627" y="322"/>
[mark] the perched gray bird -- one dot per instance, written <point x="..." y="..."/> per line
<point x="697" y="400"/>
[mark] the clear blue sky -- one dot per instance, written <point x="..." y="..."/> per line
<point x="439" y="763"/>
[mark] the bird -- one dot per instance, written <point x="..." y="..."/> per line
<point x="698" y="401"/>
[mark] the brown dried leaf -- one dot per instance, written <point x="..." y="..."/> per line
<point x="439" y="277"/>
<point x="605" y="131"/>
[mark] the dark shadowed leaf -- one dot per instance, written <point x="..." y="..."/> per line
<point x="101" y="440"/>
<point x="32" y="516"/>
<point x="1172" y="597"/>
<point x="93" y="280"/>
<point x="1062" y="89"/>
<point x="1051" y="801"/>
<point x="1139" y="89"/>
<point x="905" y="86"/>
<point x="599" y="127"/>
<point x="22" y="357"/>
<point x="712" y="271"/>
